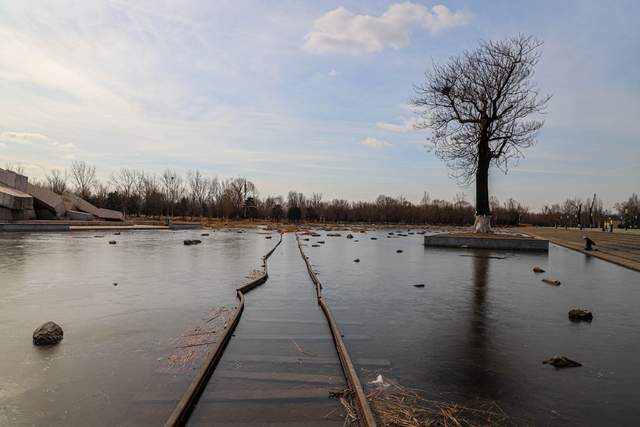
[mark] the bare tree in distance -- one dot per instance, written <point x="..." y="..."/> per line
<point x="84" y="178"/>
<point x="57" y="180"/>
<point x="15" y="167"/>
<point x="477" y="106"/>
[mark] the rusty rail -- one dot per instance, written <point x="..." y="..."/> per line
<point x="185" y="406"/>
<point x="365" y="416"/>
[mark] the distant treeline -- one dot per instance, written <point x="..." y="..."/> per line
<point x="139" y="193"/>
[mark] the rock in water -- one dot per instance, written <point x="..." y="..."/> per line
<point x="374" y="238"/>
<point x="578" y="314"/>
<point x="48" y="334"/>
<point x="419" y="285"/>
<point x="551" y="281"/>
<point x="538" y="269"/>
<point x="192" y="242"/>
<point x="356" y="260"/>
<point x="112" y="242"/>
<point x="561" y="362"/>
<point x="269" y="237"/>
<point x="349" y="236"/>
<point x="399" y="251"/>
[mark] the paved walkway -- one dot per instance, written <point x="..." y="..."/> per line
<point x="621" y="247"/>
<point x="281" y="362"/>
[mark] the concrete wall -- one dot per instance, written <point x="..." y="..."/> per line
<point x="73" y="202"/>
<point x="34" y="227"/>
<point x="487" y="243"/>
<point x="14" y="180"/>
<point x="48" y="198"/>
<point x="79" y="216"/>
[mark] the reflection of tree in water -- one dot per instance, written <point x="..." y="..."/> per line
<point x="482" y="380"/>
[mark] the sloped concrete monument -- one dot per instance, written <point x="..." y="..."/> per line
<point x="20" y="200"/>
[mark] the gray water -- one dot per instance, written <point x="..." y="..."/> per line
<point x="117" y="338"/>
<point x="479" y="329"/>
<point x="484" y="322"/>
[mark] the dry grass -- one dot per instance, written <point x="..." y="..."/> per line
<point x="395" y="405"/>
<point x="192" y="346"/>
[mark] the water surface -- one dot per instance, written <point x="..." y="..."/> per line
<point x="113" y="359"/>
<point x="484" y="322"/>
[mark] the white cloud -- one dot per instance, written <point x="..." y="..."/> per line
<point x="342" y="31"/>
<point x="334" y="73"/>
<point x="407" y="125"/>
<point x="39" y="140"/>
<point x="375" y="143"/>
<point x="22" y="137"/>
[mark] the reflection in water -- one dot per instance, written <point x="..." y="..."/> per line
<point x="479" y="375"/>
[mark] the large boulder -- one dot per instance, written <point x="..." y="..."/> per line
<point x="48" y="334"/>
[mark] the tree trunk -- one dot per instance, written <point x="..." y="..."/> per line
<point x="483" y="210"/>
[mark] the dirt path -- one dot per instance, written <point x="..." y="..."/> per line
<point x="620" y="247"/>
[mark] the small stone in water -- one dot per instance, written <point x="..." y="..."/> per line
<point x="580" y="314"/>
<point x="115" y="283"/>
<point x="112" y="242"/>
<point x="356" y="260"/>
<point x="561" y="362"/>
<point x="47" y="334"/>
<point x="399" y="251"/>
<point x="538" y="269"/>
<point x="419" y="285"/>
<point x="551" y="281"/>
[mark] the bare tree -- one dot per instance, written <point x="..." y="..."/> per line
<point x="57" y="180"/>
<point x="84" y="178"/>
<point x="15" y="167"/>
<point x="477" y="106"/>
<point x="198" y="186"/>
<point x="172" y="186"/>
<point x="124" y="182"/>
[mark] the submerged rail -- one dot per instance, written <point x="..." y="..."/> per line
<point x="185" y="406"/>
<point x="365" y="416"/>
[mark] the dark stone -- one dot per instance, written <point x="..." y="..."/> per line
<point x="269" y="237"/>
<point x="48" y="334"/>
<point x="112" y="242"/>
<point x="374" y="238"/>
<point x="306" y="239"/>
<point x="419" y="285"/>
<point x="205" y="234"/>
<point x="399" y="251"/>
<point x="117" y="233"/>
<point x="578" y="314"/>
<point x="349" y="236"/>
<point x="192" y="242"/>
<point x="538" y="269"/>
<point x="321" y="242"/>
<point x="561" y="362"/>
<point x="115" y="284"/>
<point x="315" y="246"/>
<point x="356" y="260"/>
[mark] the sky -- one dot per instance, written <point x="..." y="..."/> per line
<point x="309" y="96"/>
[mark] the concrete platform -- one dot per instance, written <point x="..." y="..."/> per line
<point x="490" y="241"/>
